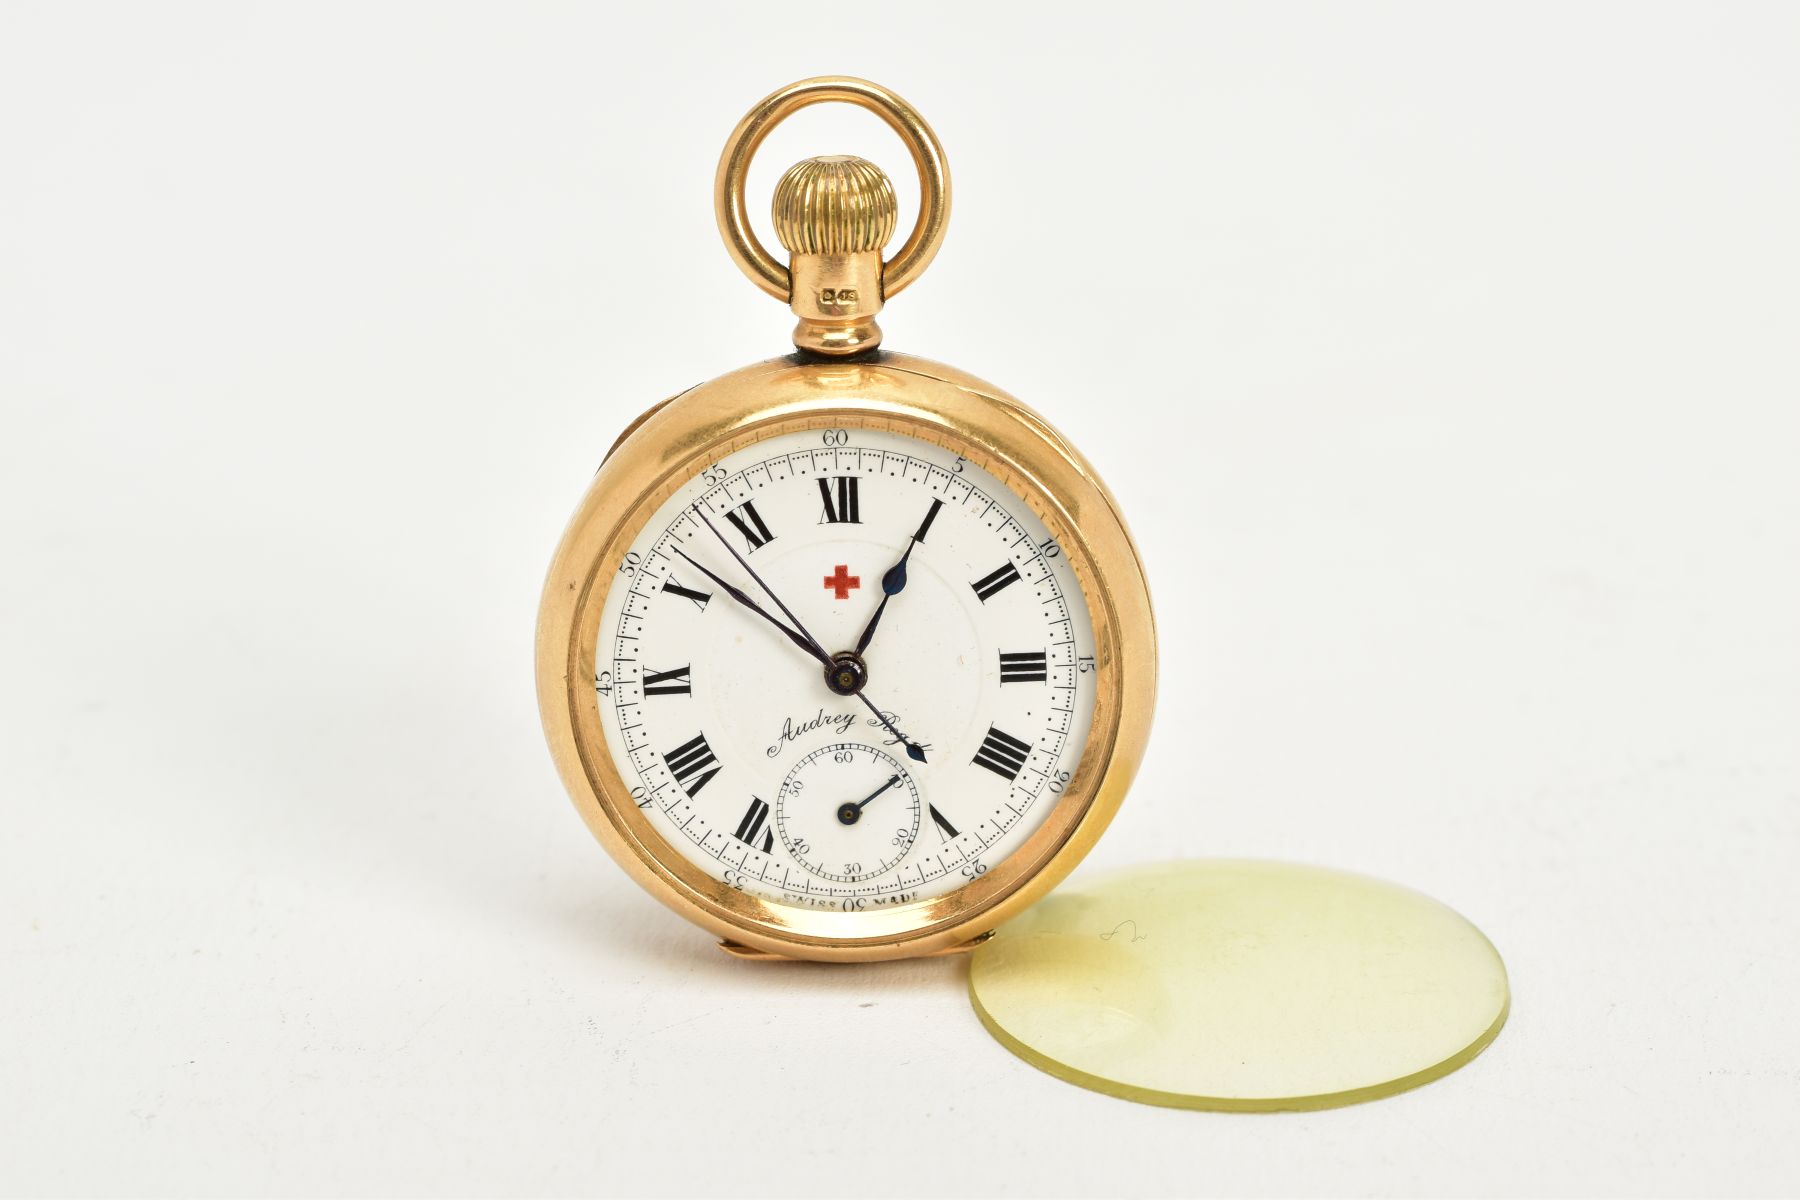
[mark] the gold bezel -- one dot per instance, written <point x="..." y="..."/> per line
<point x="664" y="450"/>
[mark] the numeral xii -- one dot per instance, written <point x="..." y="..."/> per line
<point x="842" y="506"/>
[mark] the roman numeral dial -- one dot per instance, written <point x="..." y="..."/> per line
<point x="970" y="635"/>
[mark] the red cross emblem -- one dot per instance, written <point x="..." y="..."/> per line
<point x="842" y="581"/>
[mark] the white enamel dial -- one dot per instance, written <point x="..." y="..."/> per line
<point x="978" y="693"/>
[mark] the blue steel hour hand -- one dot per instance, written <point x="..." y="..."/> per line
<point x="891" y="585"/>
<point x="895" y="580"/>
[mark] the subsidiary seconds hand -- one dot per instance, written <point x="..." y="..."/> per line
<point x="913" y="750"/>
<point x="892" y="583"/>
<point x="850" y="812"/>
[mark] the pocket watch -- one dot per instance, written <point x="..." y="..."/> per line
<point x="846" y="655"/>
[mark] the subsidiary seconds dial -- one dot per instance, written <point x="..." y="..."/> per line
<point x="847" y="812"/>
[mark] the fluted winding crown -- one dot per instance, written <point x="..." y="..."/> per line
<point x="838" y="204"/>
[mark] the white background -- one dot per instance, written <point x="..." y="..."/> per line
<point x="1444" y="359"/>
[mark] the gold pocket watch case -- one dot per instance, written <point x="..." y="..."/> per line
<point x="846" y="655"/>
